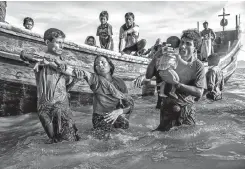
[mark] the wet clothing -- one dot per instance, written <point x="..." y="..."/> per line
<point x="215" y="83"/>
<point x="105" y="35"/>
<point x="180" y="111"/>
<point x="109" y="96"/>
<point x="53" y="104"/>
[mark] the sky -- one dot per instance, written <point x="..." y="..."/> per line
<point x="158" y="19"/>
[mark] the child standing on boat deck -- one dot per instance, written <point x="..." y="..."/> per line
<point x="167" y="63"/>
<point x="104" y="31"/>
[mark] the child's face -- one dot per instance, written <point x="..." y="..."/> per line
<point x="28" y="25"/>
<point x="103" y="20"/>
<point x="56" y="46"/>
<point x="90" y="41"/>
<point x="129" y="20"/>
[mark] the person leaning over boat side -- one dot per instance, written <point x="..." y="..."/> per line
<point x="52" y="90"/>
<point x="90" y="40"/>
<point x="215" y="78"/>
<point x="28" y="23"/>
<point x="104" y="31"/>
<point x="175" y="112"/>
<point x="112" y="105"/>
<point x="128" y="36"/>
<point x="208" y="37"/>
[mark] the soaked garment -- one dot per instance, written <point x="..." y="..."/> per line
<point x="53" y="103"/>
<point x="109" y="96"/>
<point x="215" y="83"/>
<point x="175" y="112"/>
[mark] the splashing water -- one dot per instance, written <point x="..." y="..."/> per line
<point x="217" y="141"/>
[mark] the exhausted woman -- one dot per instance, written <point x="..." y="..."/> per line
<point x="112" y="105"/>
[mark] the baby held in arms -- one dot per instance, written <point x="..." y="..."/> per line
<point x="168" y="60"/>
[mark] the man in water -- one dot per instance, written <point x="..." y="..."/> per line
<point x="128" y="37"/>
<point x="191" y="84"/>
<point x="208" y="37"/>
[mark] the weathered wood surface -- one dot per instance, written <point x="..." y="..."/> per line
<point x="17" y="79"/>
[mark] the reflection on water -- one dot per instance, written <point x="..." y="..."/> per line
<point x="217" y="141"/>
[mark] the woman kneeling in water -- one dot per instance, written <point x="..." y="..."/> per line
<point x="112" y="105"/>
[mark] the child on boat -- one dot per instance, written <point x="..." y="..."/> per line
<point x="28" y="23"/>
<point x="168" y="62"/>
<point x="104" y="31"/>
<point x="215" y="79"/>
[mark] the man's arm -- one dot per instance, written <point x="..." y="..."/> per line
<point x="192" y="90"/>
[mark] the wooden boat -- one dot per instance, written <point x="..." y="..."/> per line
<point x="227" y="45"/>
<point x="17" y="79"/>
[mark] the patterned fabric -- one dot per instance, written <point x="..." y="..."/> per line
<point x="60" y="116"/>
<point x="172" y="114"/>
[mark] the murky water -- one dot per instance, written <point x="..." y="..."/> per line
<point x="217" y="141"/>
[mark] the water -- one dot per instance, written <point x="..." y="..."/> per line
<point x="217" y="141"/>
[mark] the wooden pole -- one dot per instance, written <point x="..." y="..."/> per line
<point x="236" y="22"/>
<point x="198" y="26"/>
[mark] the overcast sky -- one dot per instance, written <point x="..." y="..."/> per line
<point x="156" y="19"/>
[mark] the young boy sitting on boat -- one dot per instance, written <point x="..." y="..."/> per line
<point x="168" y="62"/>
<point x="53" y="84"/>
<point x="104" y="31"/>
<point x="128" y="37"/>
<point x="215" y="79"/>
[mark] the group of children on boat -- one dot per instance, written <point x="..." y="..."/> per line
<point x="174" y="64"/>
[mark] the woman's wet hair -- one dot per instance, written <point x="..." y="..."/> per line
<point x="193" y="34"/>
<point x="104" y="14"/>
<point x="28" y="19"/>
<point x="112" y="67"/>
<point x="53" y="33"/>
<point x="129" y="14"/>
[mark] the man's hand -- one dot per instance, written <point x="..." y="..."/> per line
<point x="112" y="117"/>
<point x="138" y="81"/>
<point x="170" y="76"/>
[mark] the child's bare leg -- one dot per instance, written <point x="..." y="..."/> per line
<point x="161" y="90"/>
<point x="173" y="89"/>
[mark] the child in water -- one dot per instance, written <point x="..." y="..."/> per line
<point x="104" y="31"/>
<point x="168" y="62"/>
